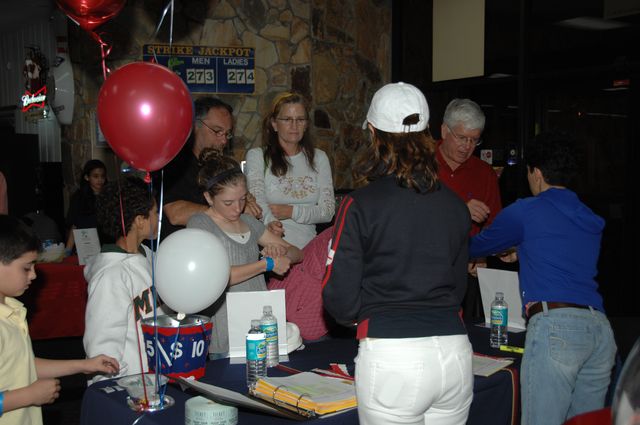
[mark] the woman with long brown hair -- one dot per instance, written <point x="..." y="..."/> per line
<point x="397" y="267"/>
<point x="291" y="179"/>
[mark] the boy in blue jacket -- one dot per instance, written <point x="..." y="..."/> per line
<point x="569" y="348"/>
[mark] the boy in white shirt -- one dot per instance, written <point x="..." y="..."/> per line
<point x="120" y="293"/>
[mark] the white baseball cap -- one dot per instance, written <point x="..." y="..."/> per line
<point x="392" y="104"/>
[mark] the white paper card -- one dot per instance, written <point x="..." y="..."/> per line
<point x="492" y="281"/>
<point x="487" y="366"/>
<point x="242" y="307"/>
<point x="87" y="244"/>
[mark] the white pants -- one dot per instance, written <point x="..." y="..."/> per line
<point x="414" y="380"/>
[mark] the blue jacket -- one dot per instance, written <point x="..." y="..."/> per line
<point x="558" y="242"/>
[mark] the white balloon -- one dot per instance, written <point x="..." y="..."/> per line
<point x="192" y="270"/>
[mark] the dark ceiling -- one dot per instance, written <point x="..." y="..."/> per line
<point x="19" y="13"/>
<point x="552" y="45"/>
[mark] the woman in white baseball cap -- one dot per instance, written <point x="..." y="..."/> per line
<point x="397" y="267"/>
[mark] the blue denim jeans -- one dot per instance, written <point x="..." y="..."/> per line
<point x="566" y="367"/>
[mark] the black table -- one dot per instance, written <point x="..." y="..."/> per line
<point x="495" y="398"/>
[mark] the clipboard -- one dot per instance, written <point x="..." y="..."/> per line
<point x="233" y="398"/>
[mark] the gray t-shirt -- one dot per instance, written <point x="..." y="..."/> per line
<point x="239" y="254"/>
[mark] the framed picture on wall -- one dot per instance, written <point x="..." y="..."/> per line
<point x="100" y="140"/>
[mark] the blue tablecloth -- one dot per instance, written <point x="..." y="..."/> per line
<point x="493" y="403"/>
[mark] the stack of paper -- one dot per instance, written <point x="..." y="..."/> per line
<point x="307" y="393"/>
<point x="487" y="365"/>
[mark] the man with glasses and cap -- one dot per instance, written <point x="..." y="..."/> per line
<point x="472" y="179"/>
<point x="213" y="128"/>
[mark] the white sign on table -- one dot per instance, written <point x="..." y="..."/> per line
<point x="492" y="281"/>
<point x="242" y="307"/>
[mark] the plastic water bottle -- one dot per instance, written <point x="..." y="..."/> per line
<point x="269" y="325"/>
<point x="256" y="354"/>
<point x="499" y="319"/>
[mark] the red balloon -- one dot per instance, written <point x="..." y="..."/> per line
<point x="145" y="112"/>
<point x="90" y="14"/>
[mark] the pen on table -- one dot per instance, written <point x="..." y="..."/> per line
<point x="512" y="349"/>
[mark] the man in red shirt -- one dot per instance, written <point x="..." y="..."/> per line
<point x="472" y="179"/>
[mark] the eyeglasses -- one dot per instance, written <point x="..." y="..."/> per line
<point x="219" y="133"/>
<point x="465" y="139"/>
<point x="290" y="121"/>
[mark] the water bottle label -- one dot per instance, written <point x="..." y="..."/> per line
<point x="256" y="350"/>
<point x="270" y="331"/>
<point x="499" y="316"/>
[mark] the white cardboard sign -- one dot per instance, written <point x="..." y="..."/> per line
<point x="87" y="244"/>
<point x="242" y="307"/>
<point x="492" y="281"/>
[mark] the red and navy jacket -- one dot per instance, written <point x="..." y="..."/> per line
<point x="397" y="262"/>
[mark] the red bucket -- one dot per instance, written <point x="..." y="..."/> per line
<point x="182" y="346"/>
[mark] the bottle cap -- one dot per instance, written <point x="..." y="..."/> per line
<point x="499" y="295"/>
<point x="266" y="309"/>
<point x="255" y="323"/>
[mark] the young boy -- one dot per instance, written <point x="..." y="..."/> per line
<point x="119" y="277"/>
<point x="27" y="382"/>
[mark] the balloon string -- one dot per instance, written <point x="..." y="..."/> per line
<point x="174" y="350"/>
<point x="160" y="209"/>
<point x="154" y="294"/>
<point x="124" y="230"/>
<point x="169" y="5"/>
<point x="164" y="13"/>
<point x="144" y="384"/>
<point x="105" y="50"/>
<point x="124" y="234"/>
<point x="171" y="27"/>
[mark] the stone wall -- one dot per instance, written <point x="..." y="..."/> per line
<point x="337" y="53"/>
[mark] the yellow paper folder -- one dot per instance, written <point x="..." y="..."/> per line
<point x="307" y="393"/>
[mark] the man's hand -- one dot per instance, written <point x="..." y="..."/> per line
<point x="479" y="211"/>
<point x="281" y="211"/>
<point x="276" y="228"/>
<point x="472" y="268"/>
<point x="251" y="207"/>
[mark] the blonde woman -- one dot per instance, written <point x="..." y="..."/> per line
<point x="291" y="179"/>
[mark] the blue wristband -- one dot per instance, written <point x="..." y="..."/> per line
<point x="1" y="403"/>
<point x="270" y="263"/>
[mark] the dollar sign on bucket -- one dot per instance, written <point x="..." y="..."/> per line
<point x="183" y="345"/>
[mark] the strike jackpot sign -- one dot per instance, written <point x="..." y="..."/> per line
<point x="207" y="69"/>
